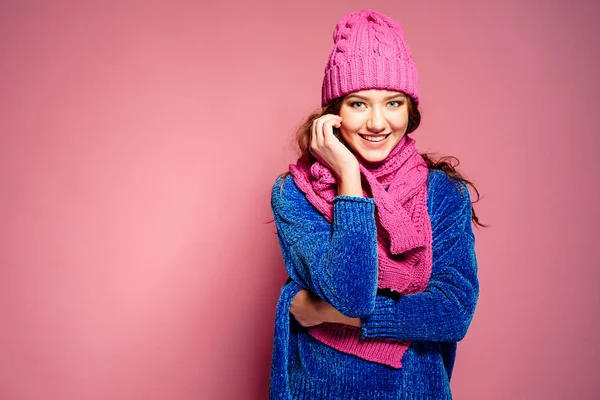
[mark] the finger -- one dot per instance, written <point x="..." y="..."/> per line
<point x="316" y="140"/>
<point x="335" y="118"/>
<point x="324" y="123"/>
<point x="328" y="126"/>
<point x="313" y="136"/>
<point x="319" y="131"/>
<point x="336" y="121"/>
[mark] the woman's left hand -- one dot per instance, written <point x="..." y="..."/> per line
<point x="308" y="309"/>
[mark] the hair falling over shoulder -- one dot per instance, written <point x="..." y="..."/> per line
<point x="447" y="164"/>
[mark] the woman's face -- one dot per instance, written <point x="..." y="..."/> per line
<point x="373" y="122"/>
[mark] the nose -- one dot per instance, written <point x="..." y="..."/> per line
<point x="376" y="121"/>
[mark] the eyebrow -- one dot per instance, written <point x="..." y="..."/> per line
<point x="387" y="98"/>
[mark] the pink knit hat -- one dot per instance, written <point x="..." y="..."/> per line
<point x="369" y="52"/>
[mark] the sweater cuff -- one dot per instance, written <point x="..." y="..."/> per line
<point x="381" y="322"/>
<point x="354" y="213"/>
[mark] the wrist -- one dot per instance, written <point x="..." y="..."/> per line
<point x="342" y="319"/>
<point x="349" y="182"/>
<point x="349" y="169"/>
<point x="332" y="315"/>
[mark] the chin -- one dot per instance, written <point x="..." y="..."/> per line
<point x="373" y="157"/>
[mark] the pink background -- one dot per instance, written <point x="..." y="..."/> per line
<point x="138" y="146"/>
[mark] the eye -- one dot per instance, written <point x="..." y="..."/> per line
<point x="395" y="103"/>
<point x="357" y="104"/>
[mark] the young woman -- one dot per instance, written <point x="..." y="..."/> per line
<point x="376" y="238"/>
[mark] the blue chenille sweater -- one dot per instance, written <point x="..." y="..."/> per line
<point x="334" y="259"/>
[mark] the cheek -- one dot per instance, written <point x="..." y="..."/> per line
<point x="345" y="134"/>
<point x="351" y="123"/>
<point x="400" y="124"/>
<point x="402" y="127"/>
<point x="348" y="136"/>
<point x="346" y="130"/>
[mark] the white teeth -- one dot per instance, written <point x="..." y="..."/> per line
<point x="374" y="138"/>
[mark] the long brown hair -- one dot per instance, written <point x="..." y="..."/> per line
<point x="447" y="164"/>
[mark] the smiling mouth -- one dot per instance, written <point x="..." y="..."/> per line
<point x="374" y="138"/>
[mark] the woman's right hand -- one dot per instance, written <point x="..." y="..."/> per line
<point x="328" y="149"/>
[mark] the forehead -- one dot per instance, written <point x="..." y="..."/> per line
<point x="376" y="94"/>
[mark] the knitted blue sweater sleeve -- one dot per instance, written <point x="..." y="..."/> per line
<point x="336" y="261"/>
<point x="443" y="312"/>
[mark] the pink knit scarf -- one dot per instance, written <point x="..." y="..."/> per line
<point x="404" y="240"/>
